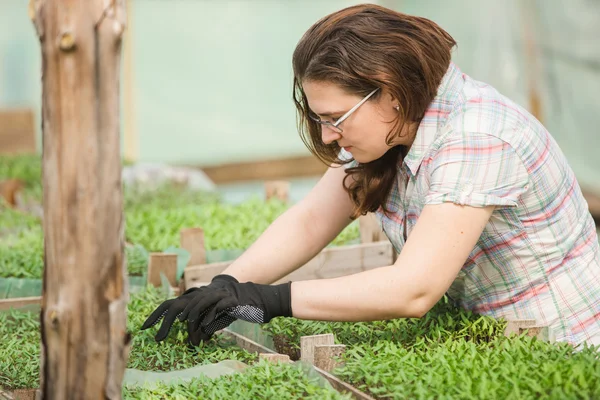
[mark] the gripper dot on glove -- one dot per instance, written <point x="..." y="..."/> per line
<point x="247" y="313"/>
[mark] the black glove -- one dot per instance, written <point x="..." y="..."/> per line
<point x="171" y="308"/>
<point x="248" y="301"/>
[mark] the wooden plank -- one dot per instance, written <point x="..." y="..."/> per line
<point x="245" y="343"/>
<point x="275" y="358"/>
<point x="326" y="356"/>
<point x="17" y="131"/>
<point x="18" y="302"/>
<point x="308" y="343"/>
<point x="192" y="240"/>
<point x="162" y="263"/>
<point x="342" y="386"/>
<point x="337" y="383"/>
<point x="515" y="325"/>
<point x="274" y="169"/>
<point x="331" y="262"/>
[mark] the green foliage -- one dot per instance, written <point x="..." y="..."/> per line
<point x="13" y="221"/>
<point x="521" y="368"/>
<point x="137" y="259"/>
<point x="22" y="253"/>
<point x="20" y="338"/>
<point x="443" y="322"/>
<point x="260" y="381"/>
<point x="451" y="353"/>
<point x="27" y="168"/>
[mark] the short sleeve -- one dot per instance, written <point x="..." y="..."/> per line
<point x="476" y="169"/>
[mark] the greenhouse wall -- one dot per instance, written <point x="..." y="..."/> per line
<point x="211" y="80"/>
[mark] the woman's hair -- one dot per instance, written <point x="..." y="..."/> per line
<point x="361" y="48"/>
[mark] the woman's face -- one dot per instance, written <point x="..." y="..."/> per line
<point x="365" y="130"/>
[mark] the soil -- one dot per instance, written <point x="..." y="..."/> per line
<point x="283" y="346"/>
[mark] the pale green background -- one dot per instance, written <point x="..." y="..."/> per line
<point x="212" y="79"/>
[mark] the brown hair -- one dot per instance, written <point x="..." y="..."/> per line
<point x="361" y="48"/>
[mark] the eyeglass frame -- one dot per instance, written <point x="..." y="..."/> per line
<point x="336" y="124"/>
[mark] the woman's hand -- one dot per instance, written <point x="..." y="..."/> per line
<point x="172" y="308"/>
<point x="248" y="301"/>
<point x="210" y="308"/>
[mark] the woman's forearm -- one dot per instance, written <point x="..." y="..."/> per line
<point x="378" y="294"/>
<point x="289" y="242"/>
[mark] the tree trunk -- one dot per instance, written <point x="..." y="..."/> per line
<point x="85" y="343"/>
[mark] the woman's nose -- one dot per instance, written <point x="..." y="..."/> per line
<point x="328" y="135"/>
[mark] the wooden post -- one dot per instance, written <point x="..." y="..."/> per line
<point x="308" y="343"/>
<point x="192" y="240"/>
<point x="327" y="356"/>
<point x="279" y="189"/>
<point x="162" y="263"/>
<point x="84" y="338"/>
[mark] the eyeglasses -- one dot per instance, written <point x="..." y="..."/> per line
<point x="335" y="125"/>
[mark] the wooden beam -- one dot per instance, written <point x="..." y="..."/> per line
<point x="84" y="338"/>
<point x="19" y="302"/>
<point x="274" y="169"/>
<point x="17" y="131"/>
<point x="331" y="262"/>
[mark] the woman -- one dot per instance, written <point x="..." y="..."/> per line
<point x="472" y="191"/>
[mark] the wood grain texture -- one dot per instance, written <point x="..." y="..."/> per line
<point x="331" y="262"/>
<point x="85" y="343"/>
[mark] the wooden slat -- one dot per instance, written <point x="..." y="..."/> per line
<point x="342" y="386"/>
<point x="17" y="131"/>
<point x="275" y="169"/>
<point x="308" y="343"/>
<point x="254" y="347"/>
<point x="332" y="262"/>
<point x="18" y="302"/>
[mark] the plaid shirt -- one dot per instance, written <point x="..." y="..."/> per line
<point x="538" y="256"/>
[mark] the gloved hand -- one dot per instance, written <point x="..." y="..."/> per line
<point x="171" y="308"/>
<point x="248" y="301"/>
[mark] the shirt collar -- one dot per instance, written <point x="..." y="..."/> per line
<point x="435" y="116"/>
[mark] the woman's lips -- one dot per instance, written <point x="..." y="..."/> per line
<point x="348" y="148"/>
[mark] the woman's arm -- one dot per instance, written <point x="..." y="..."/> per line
<point x="433" y="255"/>
<point x="297" y="235"/>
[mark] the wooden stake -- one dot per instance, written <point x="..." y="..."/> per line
<point x="84" y="338"/>
<point x="162" y="263"/>
<point x="192" y="240"/>
<point x="275" y="358"/>
<point x="516" y="325"/>
<point x="279" y="189"/>
<point x="308" y="343"/>
<point x="325" y="356"/>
